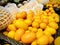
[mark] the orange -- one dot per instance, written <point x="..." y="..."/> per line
<point x="11" y="34"/>
<point x="47" y="33"/>
<point x="18" y="34"/>
<point x="50" y="30"/>
<point x="34" y="43"/>
<point x="57" y="41"/>
<point x="11" y="27"/>
<point x="51" y="19"/>
<point x="21" y="24"/>
<point x="39" y="33"/>
<point x="30" y="28"/>
<point x="51" y="39"/>
<point x="34" y="29"/>
<point x="22" y="14"/>
<point x="28" y="22"/>
<point x="53" y="25"/>
<point x="38" y="20"/>
<point x="35" y="24"/>
<point x="28" y="37"/>
<point x="43" y="25"/>
<point x="43" y="40"/>
<point x="30" y="14"/>
<point x="45" y="20"/>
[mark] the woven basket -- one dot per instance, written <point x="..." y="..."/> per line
<point x="5" y="18"/>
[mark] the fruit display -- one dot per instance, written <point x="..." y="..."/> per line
<point x="53" y="3"/>
<point x="35" y="28"/>
<point x="30" y="22"/>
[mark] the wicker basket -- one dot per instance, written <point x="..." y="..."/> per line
<point x="5" y="18"/>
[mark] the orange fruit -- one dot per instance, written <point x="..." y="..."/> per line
<point x="38" y="20"/>
<point x="47" y="33"/>
<point x="51" y="39"/>
<point x="43" y="40"/>
<point x="35" y="24"/>
<point x="11" y="27"/>
<point x="18" y="34"/>
<point x="21" y="24"/>
<point x="22" y="14"/>
<point x="45" y="20"/>
<point x="34" y="43"/>
<point x="28" y="22"/>
<point x="50" y="30"/>
<point x="57" y="41"/>
<point x="39" y="33"/>
<point x="11" y="34"/>
<point x="28" y="37"/>
<point x="53" y="25"/>
<point x="43" y="25"/>
<point x="34" y="30"/>
<point x="51" y="19"/>
<point x="30" y="28"/>
<point x="30" y="14"/>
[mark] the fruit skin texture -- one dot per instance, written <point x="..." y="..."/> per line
<point x="53" y="25"/>
<point x="28" y="22"/>
<point x="11" y="34"/>
<point x="18" y="34"/>
<point x="11" y="27"/>
<point x="21" y="24"/>
<point x="34" y="43"/>
<point x="35" y="24"/>
<point x="43" y="25"/>
<point x="57" y="41"/>
<point x="39" y="33"/>
<point x="43" y="40"/>
<point x="52" y="31"/>
<point x="28" y="37"/>
<point x="22" y="14"/>
<point x="51" y="39"/>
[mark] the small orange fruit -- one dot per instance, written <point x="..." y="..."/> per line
<point x="43" y="40"/>
<point x="34" y="43"/>
<point x="34" y="29"/>
<point x="43" y="25"/>
<point x="53" y="25"/>
<point x="21" y="24"/>
<point x="28" y="37"/>
<point x="47" y="33"/>
<point x="11" y="27"/>
<point x="57" y="41"/>
<point x="30" y="14"/>
<point x="35" y="24"/>
<point x="11" y="34"/>
<point x="22" y="14"/>
<point x="30" y="28"/>
<point x="50" y="30"/>
<point x="39" y="33"/>
<point x="51" y="39"/>
<point x="38" y="20"/>
<point x="45" y="20"/>
<point x="28" y="21"/>
<point x="51" y="19"/>
<point x="18" y="34"/>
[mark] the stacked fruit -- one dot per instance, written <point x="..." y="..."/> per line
<point x="34" y="28"/>
<point x="54" y="3"/>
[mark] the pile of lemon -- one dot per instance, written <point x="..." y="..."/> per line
<point x="34" y="28"/>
